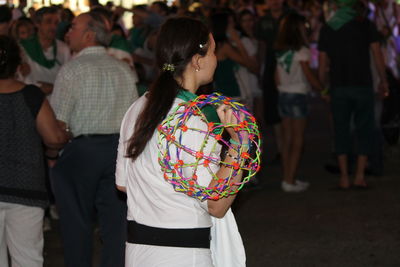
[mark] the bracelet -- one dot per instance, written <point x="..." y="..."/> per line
<point x="233" y="142"/>
<point x="325" y="92"/>
<point x="52" y="158"/>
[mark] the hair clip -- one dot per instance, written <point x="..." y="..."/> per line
<point x="168" y="67"/>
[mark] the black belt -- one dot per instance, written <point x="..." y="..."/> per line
<point x="94" y="136"/>
<point x="186" y="238"/>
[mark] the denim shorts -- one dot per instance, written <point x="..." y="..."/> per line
<point x="293" y="105"/>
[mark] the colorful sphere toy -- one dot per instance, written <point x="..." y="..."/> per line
<point x="175" y="126"/>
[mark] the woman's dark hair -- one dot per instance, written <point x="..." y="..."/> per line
<point x="10" y="57"/>
<point x="178" y="41"/>
<point x="243" y="13"/>
<point x="219" y="26"/>
<point x="290" y="35"/>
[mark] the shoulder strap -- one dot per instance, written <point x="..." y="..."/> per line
<point x="34" y="98"/>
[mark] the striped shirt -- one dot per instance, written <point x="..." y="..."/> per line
<point x="93" y="91"/>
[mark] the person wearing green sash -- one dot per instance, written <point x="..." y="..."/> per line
<point x="230" y="53"/>
<point x="44" y="54"/>
<point x="345" y="43"/>
<point x="185" y="53"/>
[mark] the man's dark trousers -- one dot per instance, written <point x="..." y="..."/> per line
<point x="83" y="181"/>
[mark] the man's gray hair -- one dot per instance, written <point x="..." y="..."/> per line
<point x="97" y="24"/>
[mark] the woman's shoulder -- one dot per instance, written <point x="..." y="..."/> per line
<point x="131" y="115"/>
<point x="304" y="49"/>
<point x="34" y="98"/>
<point x="32" y="91"/>
<point x="303" y="52"/>
<point x="136" y="106"/>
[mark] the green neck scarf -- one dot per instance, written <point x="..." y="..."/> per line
<point x="120" y="43"/>
<point x="342" y="3"/>
<point x="35" y="52"/>
<point x="208" y="110"/>
<point x="341" y="17"/>
<point x="285" y="59"/>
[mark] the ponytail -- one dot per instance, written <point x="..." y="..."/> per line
<point x="178" y="41"/>
<point x="159" y="101"/>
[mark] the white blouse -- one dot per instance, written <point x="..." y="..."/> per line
<point x="151" y="199"/>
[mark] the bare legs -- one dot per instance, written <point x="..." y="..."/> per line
<point x="359" y="179"/>
<point x="292" y="147"/>
<point x="278" y="128"/>
<point x="344" y="174"/>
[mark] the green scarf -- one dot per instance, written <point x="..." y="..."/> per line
<point x="208" y="110"/>
<point x="120" y="43"/>
<point x="35" y="52"/>
<point x="341" y="17"/>
<point x="342" y="3"/>
<point x="137" y="38"/>
<point x="285" y="59"/>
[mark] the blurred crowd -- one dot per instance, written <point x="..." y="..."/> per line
<point x="229" y="20"/>
<point x="272" y="56"/>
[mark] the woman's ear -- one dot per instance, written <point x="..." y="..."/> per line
<point x="196" y="62"/>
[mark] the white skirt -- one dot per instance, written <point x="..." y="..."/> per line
<point x="226" y="245"/>
<point x="137" y="255"/>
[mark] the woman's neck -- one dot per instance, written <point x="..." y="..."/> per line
<point x="191" y="87"/>
<point x="188" y="82"/>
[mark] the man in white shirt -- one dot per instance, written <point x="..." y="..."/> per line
<point x="44" y="54"/>
<point x="91" y="94"/>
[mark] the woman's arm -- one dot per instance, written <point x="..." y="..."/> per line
<point x="244" y="60"/>
<point x="381" y="68"/>
<point x="121" y="188"/>
<point x="311" y="78"/>
<point x="239" y="54"/>
<point x="218" y="208"/>
<point x="54" y="137"/>
<point x="276" y="77"/>
<point x="323" y="63"/>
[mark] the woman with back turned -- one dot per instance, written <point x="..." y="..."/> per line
<point x="186" y="59"/>
<point x="294" y="79"/>
<point x="26" y="119"/>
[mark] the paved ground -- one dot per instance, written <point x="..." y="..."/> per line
<point x="321" y="227"/>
